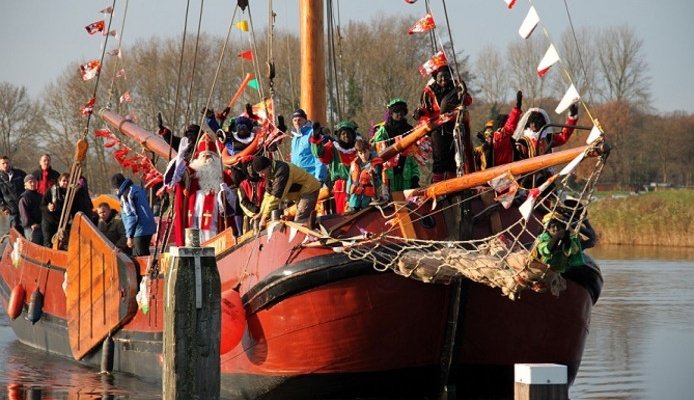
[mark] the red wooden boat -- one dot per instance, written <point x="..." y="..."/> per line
<point x="329" y="314"/>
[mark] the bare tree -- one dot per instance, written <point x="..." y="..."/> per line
<point x="524" y="57"/>
<point x="492" y="76"/>
<point x="20" y="120"/>
<point x="579" y="58"/>
<point x="624" y="71"/>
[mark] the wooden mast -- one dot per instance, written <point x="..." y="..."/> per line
<point x="312" y="59"/>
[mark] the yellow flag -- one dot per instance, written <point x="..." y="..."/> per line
<point x="243" y="25"/>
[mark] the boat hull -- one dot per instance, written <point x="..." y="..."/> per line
<point x="323" y="326"/>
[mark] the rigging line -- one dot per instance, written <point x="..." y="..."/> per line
<point x="178" y="79"/>
<point x="567" y="74"/>
<point x="289" y="70"/>
<point x="214" y="80"/>
<point x="580" y="55"/>
<point x="450" y="37"/>
<point x="195" y="63"/>
<point x="335" y="59"/>
<point x="256" y="66"/>
<point x="101" y="63"/>
<point x="432" y="34"/>
<point x="117" y="63"/>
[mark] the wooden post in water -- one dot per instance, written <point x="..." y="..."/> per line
<point x="192" y="324"/>
<point x="540" y="382"/>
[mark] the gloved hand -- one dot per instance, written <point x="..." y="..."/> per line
<point x="417" y="114"/>
<point x="519" y="99"/>
<point x="414" y="183"/>
<point x="556" y="240"/>
<point x="225" y="112"/>
<point x="280" y="124"/>
<point x="573" y="110"/>
<point x="317" y="130"/>
<point x="249" y="111"/>
<point x="208" y="112"/>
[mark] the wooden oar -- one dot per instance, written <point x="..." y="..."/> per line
<point x="458" y="184"/>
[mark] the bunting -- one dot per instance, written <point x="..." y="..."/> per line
<point x="253" y="83"/>
<point x="246" y="55"/>
<point x="570" y="97"/>
<point x="505" y="186"/>
<point x="510" y="3"/>
<point x="88" y="108"/>
<point x="529" y="23"/>
<point x="594" y="134"/>
<point x="137" y="163"/>
<point x="90" y="69"/>
<point x="125" y="97"/>
<point x="437" y="61"/>
<point x="425" y="24"/>
<point x="242" y="25"/>
<point x="95" y="27"/>
<point x="551" y="57"/>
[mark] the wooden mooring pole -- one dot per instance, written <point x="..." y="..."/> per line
<point x="192" y="324"/>
<point x="540" y="382"/>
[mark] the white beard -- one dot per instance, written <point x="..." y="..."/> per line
<point x="208" y="172"/>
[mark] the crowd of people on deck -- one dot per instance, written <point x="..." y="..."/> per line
<point x="222" y="178"/>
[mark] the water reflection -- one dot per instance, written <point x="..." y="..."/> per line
<point x="27" y="373"/>
<point x="642" y="326"/>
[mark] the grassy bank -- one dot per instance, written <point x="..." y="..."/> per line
<point x="662" y="218"/>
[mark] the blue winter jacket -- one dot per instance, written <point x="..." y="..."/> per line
<point x="302" y="155"/>
<point x="136" y="214"/>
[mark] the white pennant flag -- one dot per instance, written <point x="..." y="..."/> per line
<point x="526" y="209"/>
<point x="594" y="134"/>
<point x="292" y="233"/>
<point x="529" y="23"/>
<point x="571" y="96"/>
<point x="551" y="57"/>
<point x="510" y="3"/>
<point x="570" y="167"/>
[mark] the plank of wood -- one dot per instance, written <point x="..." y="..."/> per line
<point x="101" y="287"/>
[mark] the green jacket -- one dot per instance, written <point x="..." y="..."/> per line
<point x="570" y="255"/>
<point x="399" y="180"/>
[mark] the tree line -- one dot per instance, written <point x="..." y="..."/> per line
<point x="374" y="62"/>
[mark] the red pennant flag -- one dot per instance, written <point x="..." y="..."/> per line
<point x="246" y="55"/>
<point x="510" y="3"/>
<point x="103" y="133"/>
<point x="125" y="97"/>
<point x="437" y="61"/>
<point x="88" y="108"/>
<point x="90" y="69"/>
<point x="423" y="25"/>
<point x="95" y="27"/>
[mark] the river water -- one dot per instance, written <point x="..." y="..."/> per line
<point x="640" y="346"/>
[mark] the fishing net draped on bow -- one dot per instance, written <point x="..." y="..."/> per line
<point x="511" y="259"/>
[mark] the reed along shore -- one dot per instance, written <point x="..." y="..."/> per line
<point x="658" y="218"/>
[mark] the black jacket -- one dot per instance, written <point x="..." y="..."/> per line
<point x="11" y="189"/>
<point x="114" y="230"/>
<point x="30" y="208"/>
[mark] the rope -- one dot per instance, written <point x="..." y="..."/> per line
<point x="116" y="64"/>
<point x="508" y="259"/>
<point x="174" y="112"/>
<point x="195" y="63"/>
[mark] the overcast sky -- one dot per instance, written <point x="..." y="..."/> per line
<point x="39" y="40"/>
